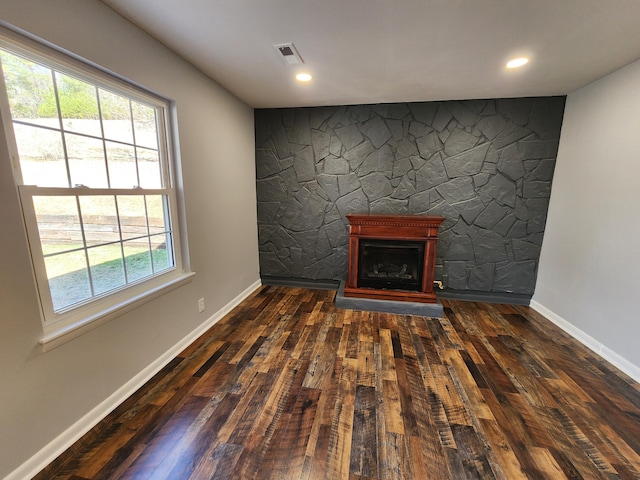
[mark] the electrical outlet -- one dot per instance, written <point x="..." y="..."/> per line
<point x="201" y="305"/>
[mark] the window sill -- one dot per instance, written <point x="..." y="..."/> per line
<point x="60" y="336"/>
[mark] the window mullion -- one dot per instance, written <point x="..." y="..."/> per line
<point x="167" y="223"/>
<point x="122" y="256"/>
<point x="162" y="148"/>
<point x="104" y="143"/>
<point x="60" y="122"/>
<point x="135" y="153"/>
<point x="86" y="248"/>
<point x="146" y="214"/>
<point x="133" y="125"/>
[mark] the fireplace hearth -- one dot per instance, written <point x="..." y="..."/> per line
<point x="392" y="257"/>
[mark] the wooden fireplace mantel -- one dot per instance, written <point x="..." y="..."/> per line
<point x="421" y="228"/>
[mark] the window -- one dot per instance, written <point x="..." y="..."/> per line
<point x="92" y="162"/>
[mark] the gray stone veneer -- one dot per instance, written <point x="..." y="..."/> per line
<point x="485" y="165"/>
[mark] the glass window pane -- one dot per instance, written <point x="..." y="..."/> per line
<point x="107" y="268"/>
<point x="133" y="217"/>
<point x="156" y="213"/>
<point x="162" y="258"/>
<point x="29" y="87"/>
<point x="41" y="156"/>
<point x="78" y="105"/>
<point x="116" y="117"/>
<point x="68" y="279"/>
<point x="137" y="257"/>
<point x="58" y="224"/>
<point x="99" y="219"/>
<point x="144" y="120"/>
<point x="122" y="165"/>
<point x="86" y="161"/>
<point x="149" y="168"/>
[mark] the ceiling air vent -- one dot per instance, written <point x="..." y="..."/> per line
<point x="288" y="54"/>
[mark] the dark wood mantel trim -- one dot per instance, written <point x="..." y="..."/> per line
<point x="393" y="227"/>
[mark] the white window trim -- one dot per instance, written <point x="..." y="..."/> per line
<point x="100" y="310"/>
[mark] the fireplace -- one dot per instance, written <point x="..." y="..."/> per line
<point x="392" y="257"/>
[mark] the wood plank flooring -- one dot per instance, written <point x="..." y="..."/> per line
<point x="288" y="387"/>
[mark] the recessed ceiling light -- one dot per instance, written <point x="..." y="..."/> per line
<point x="303" y="77"/>
<point x="517" y="62"/>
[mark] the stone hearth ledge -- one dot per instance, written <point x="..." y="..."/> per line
<point x="387" y="306"/>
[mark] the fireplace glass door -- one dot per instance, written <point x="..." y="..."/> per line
<point x="390" y="264"/>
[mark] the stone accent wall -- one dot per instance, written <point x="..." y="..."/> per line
<point x="485" y="165"/>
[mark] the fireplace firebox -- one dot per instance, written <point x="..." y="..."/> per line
<point x="390" y="264"/>
<point x="392" y="257"/>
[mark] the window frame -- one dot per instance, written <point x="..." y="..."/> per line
<point x="70" y="322"/>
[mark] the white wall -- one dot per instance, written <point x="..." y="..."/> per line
<point x="42" y="395"/>
<point x="589" y="273"/>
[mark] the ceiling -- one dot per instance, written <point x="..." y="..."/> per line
<point x="378" y="51"/>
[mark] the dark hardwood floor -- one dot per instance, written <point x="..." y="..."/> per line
<point x="287" y="386"/>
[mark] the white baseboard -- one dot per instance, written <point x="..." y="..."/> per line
<point x="588" y="341"/>
<point x="67" y="438"/>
